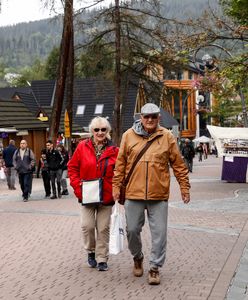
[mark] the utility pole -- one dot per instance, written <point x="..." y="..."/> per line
<point x="62" y="70"/>
<point x="117" y="104"/>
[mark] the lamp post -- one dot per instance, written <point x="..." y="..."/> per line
<point x="209" y="62"/>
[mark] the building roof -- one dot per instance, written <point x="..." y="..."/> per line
<point x="43" y="91"/>
<point x="88" y="92"/>
<point x="15" y="114"/>
<point x="8" y="92"/>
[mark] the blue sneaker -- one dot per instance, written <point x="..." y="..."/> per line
<point x="102" y="266"/>
<point x="91" y="260"/>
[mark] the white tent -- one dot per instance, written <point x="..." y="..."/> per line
<point x="223" y="135"/>
<point x="202" y="139"/>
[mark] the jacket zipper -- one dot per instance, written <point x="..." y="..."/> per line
<point x="146" y="179"/>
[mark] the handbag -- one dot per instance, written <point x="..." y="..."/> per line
<point x="116" y="235"/>
<point x="92" y="190"/>
<point x="126" y="180"/>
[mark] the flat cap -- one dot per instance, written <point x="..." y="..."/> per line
<point x="150" y="108"/>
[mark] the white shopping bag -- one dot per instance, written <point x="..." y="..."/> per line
<point x="116" y="240"/>
<point x="2" y="174"/>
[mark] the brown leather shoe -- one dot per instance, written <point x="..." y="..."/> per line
<point x="138" y="267"/>
<point x="153" y="277"/>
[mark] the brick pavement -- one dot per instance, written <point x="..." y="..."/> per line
<point x="42" y="258"/>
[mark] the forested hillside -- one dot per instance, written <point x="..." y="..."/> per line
<point x="22" y="44"/>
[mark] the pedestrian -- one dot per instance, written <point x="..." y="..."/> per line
<point x="55" y="162"/>
<point x="188" y="154"/>
<point x="199" y="150"/>
<point x="205" y="151"/>
<point x="214" y="149"/>
<point x="8" y="154"/>
<point x="2" y="166"/>
<point x="95" y="158"/>
<point x="44" y="168"/>
<point x="24" y="163"/>
<point x="65" y="155"/>
<point x="148" y="186"/>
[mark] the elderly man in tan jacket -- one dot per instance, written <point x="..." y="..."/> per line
<point x="148" y="187"/>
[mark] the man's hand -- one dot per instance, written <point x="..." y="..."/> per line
<point x="116" y="196"/>
<point x="186" y="197"/>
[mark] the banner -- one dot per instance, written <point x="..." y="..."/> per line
<point x="67" y="125"/>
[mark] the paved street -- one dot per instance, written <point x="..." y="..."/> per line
<point x="41" y="255"/>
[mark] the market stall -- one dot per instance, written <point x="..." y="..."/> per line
<point x="232" y="145"/>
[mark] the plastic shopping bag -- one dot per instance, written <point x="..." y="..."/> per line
<point x="116" y="240"/>
<point x="2" y="174"/>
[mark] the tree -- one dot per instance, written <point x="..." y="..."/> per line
<point x="96" y="61"/>
<point x="64" y="58"/>
<point x="51" y="65"/>
<point x="225" y="39"/>
<point x="237" y="10"/>
<point x="36" y="72"/>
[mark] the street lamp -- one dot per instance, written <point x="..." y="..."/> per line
<point x="209" y="62"/>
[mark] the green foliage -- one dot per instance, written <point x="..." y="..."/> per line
<point x="96" y="60"/>
<point x="51" y="64"/>
<point x="225" y="87"/>
<point x="2" y="69"/>
<point x="22" y="44"/>
<point x="237" y="9"/>
<point x="36" y="72"/>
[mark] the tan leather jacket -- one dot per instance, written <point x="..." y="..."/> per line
<point x="150" y="179"/>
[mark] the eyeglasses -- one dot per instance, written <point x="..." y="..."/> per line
<point x="100" y="129"/>
<point x="150" y="117"/>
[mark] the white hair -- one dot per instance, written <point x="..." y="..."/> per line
<point x="100" y="122"/>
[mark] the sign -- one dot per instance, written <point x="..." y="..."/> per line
<point x="22" y="132"/>
<point x="67" y="125"/>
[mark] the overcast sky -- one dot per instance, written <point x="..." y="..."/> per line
<point x="17" y="11"/>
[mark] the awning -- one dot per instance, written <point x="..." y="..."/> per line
<point x="8" y="130"/>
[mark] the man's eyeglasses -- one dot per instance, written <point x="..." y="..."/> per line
<point x="100" y="129"/>
<point x="150" y="117"/>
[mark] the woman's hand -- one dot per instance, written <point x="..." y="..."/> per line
<point x="116" y="196"/>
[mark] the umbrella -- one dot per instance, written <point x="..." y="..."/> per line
<point x="203" y="139"/>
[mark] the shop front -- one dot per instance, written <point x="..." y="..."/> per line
<point x="232" y="145"/>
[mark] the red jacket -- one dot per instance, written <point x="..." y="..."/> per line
<point x="84" y="166"/>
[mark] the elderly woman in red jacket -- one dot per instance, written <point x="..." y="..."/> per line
<point x="95" y="158"/>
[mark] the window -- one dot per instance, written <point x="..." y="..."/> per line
<point x="190" y="74"/>
<point x="180" y="76"/>
<point x="99" y="109"/>
<point x="80" y="109"/>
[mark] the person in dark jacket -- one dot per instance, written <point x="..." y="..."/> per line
<point x="188" y="154"/>
<point x="8" y="154"/>
<point x="95" y="158"/>
<point x="43" y="167"/>
<point x="65" y="155"/>
<point x="199" y="150"/>
<point x="55" y="162"/>
<point x="24" y="162"/>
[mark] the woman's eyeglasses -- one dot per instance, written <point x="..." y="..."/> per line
<point x="150" y="117"/>
<point x="100" y="129"/>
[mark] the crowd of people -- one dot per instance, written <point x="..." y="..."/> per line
<point x="146" y="153"/>
<point x="21" y="162"/>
